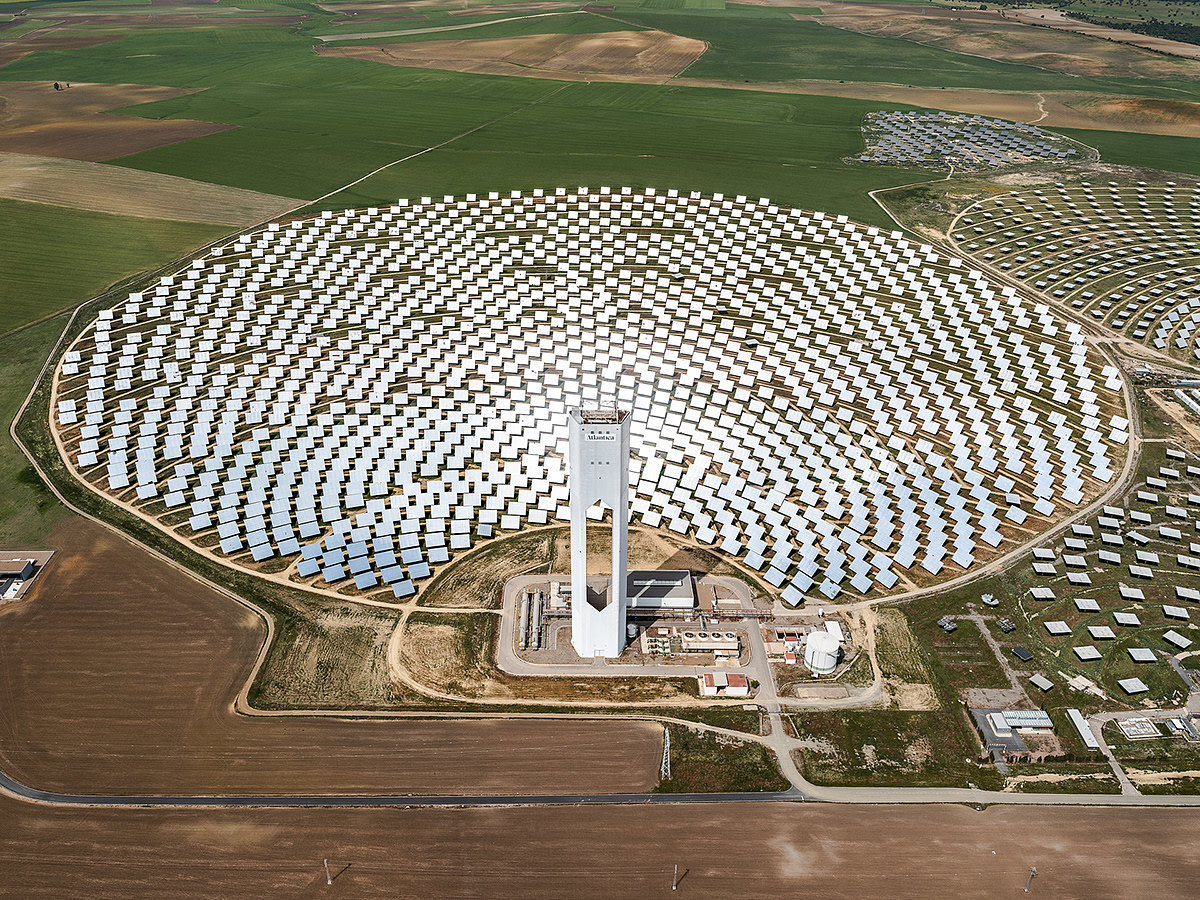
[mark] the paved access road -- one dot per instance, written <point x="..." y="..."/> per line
<point x="16" y="789"/>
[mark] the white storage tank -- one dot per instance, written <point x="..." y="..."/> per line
<point x="821" y="652"/>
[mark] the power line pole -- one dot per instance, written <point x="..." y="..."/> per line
<point x="675" y="878"/>
<point x="328" y="878"/>
<point x="1029" y="881"/>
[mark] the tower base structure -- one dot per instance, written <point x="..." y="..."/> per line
<point x="599" y="472"/>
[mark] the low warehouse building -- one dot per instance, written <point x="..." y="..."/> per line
<point x="724" y="684"/>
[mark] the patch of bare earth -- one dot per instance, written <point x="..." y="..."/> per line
<point x="119" y="674"/>
<point x="639" y="55"/>
<point x="131" y="192"/>
<point x="454" y="656"/>
<point x="1053" y="18"/>
<point x="1140" y="110"/>
<point x="1005" y="39"/>
<point x="13" y="49"/>
<point x="511" y="7"/>
<point x="585" y="851"/>
<point x="75" y="123"/>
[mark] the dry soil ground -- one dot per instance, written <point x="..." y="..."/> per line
<point x="987" y="34"/>
<point x="38" y="120"/>
<point x="118" y="673"/>
<point x="12" y="49"/>
<point x="750" y="850"/>
<point x="1054" y="18"/>
<point x="652" y="56"/>
<point x="130" y="192"/>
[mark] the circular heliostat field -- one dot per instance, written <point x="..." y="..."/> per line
<point x="354" y="399"/>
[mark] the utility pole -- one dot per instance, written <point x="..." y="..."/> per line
<point x="328" y="878"/>
<point x="1029" y="881"/>
<point x="675" y="878"/>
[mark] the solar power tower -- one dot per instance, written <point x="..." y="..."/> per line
<point x="599" y="471"/>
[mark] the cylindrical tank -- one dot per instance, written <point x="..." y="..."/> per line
<point x="535" y="626"/>
<point x="631" y="631"/>
<point x="523" y="634"/>
<point x="821" y="652"/>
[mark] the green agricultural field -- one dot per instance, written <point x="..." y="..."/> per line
<point x="567" y="22"/>
<point x="52" y="258"/>
<point x="27" y="507"/>
<point x="1149" y="151"/>
<point x="308" y="125"/>
<point x="788" y="148"/>
<point x="21" y="26"/>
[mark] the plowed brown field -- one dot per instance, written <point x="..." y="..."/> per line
<point x="645" y="55"/>
<point x="734" y="851"/>
<point x="13" y="49"/>
<point x="988" y="34"/>
<point x="38" y="120"/>
<point x="132" y="192"/>
<point x="118" y="674"/>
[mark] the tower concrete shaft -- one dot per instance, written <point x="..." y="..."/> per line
<point x="599" y="471"/>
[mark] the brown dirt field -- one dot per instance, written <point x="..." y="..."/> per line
<point x="92" y="15"/>
<point x="1053" y="18"/>
<point x="1140" y="110"/>
<point x="12" y="50"/>
<point x="830" y="851"/>
<point x="367" y="6"/>
<point x="653" y="56"/>
<point x="130" y="192"/>
<point x="118" y="674"/>
<point x="511" y="7"/>
<point x="477" y="580"/>
<point x="1008" y="40"/>
<point x="649" y="548"/>
<point x="452" y="655"/>
<point x="36" y="119"/>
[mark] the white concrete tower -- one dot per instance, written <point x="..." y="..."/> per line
<point x="599" y="470"/>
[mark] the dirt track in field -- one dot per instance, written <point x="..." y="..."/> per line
<point x="132" y="192"/>
<point x="743" y="851"/>
<point x="118" y="673"/>
<point x="652" y="56"/>
<point x="74" y="124"/>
